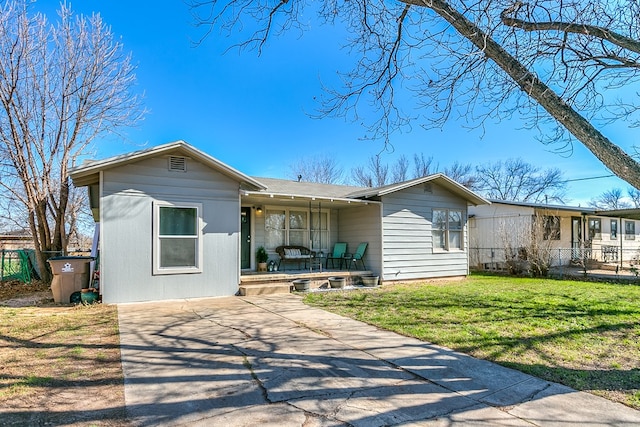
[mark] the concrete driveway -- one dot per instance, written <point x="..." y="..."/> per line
<point x="272" y="361"/>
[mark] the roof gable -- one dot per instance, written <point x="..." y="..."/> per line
<point x="88" y="173"/>
<point x="440" y="179"/>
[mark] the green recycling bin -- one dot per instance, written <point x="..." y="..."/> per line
<point x="70" y="274"/>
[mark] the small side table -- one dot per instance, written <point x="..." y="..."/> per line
<point x="317" y="261"/>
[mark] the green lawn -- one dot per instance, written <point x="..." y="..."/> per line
<point x="581" y="334"/>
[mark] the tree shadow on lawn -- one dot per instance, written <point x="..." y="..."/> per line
<point x="619" y="385"/>
<point x="584" y="379"/>
<point x="208" y="364"/>
<point x="59" y="369"/>
<point x="509" y="335"/>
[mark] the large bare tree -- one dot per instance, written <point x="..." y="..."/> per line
<point x="612" y="199"/>
<point x="377" y="173"/>
<point x="517" y="180"/>
<point x="555" y="63"/>
<point x="374" y="174"/>
<point x="319" y="168"/>
<point x="62" y="84"/>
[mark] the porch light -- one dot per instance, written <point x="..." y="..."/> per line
<point x="259" y="210"/>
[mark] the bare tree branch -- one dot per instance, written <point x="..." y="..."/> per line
<point x="517" y="180"/>
<point x="562" y="66"/>
<point x="322" y="169"/>
<point x="568" y="27"/>
<point x="61" y="86"/>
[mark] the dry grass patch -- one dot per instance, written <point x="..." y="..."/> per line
<point x="60" y="365"/>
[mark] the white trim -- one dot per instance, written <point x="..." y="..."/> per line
<point x="287" y="210"/>
<point x="447" y="240"/>
<point x="157" y="269"/>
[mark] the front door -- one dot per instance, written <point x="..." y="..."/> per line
<point x="245" y="238"/>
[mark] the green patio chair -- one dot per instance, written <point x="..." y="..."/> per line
<point x="357" y="256"/>
<point x="339" y="250"/>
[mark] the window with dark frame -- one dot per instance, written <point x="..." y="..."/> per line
<point x="595" y="229"/>
<point x="629" y="230"/>
<point x="614" y="229"/>
<point x="551" y="227"/>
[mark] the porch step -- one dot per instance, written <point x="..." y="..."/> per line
<point x="281" y="283"/>
<point x="264" y="289"/>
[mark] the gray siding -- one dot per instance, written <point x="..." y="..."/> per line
<point x="127" y="197"/>
<point x="407" y="238"/>
<point x="362" y="224"/>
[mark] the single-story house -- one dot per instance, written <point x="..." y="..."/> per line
<point x="177" y="223"/>
<point x="573" y="233"/>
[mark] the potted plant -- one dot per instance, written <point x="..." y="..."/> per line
<point x="369" y="280"/>
<point x="336" y="282"/>
<point x="302" y="284"/>
<point x="262" y="257"/>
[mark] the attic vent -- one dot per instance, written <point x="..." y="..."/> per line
<point x="177" y="164"/>
<point x="428" y="188"/>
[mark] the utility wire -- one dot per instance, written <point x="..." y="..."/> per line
<point x="588" y="178"/>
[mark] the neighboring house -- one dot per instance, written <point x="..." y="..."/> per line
<point x="13" y="240"/>
<point x="572" y="232"/>
<point x="177" y="223"/>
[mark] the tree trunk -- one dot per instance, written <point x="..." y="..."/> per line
<point x="41" y="254"/>
<point x="612" y="156"/>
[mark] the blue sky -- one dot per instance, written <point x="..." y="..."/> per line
<point x="253" y="112"/>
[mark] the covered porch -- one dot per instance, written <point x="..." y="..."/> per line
<point x="312" y="216"/>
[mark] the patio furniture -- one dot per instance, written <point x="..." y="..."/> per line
<point x="609" y="253"/>
<point x="293" y="253"/>
<point x="317" y="261"/>
<point x="339" y="249"/>
<point x="357" y="256"/>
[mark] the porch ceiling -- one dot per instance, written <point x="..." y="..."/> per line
<point x="255" y="198"/>
<point x="633" y="213"/>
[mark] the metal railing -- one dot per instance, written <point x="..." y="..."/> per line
<point x="603" y="256"/>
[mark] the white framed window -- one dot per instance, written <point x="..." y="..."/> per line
<point x="614" y="229"/>
<point x="177" y="238"/>
<point x="447" y="229"/>
<point x="284" y="226"/>
<point x="275" y="227"/>
<point x="298" y="228"/>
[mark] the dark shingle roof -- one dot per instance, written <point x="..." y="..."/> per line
<point x="310" y="189"/>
